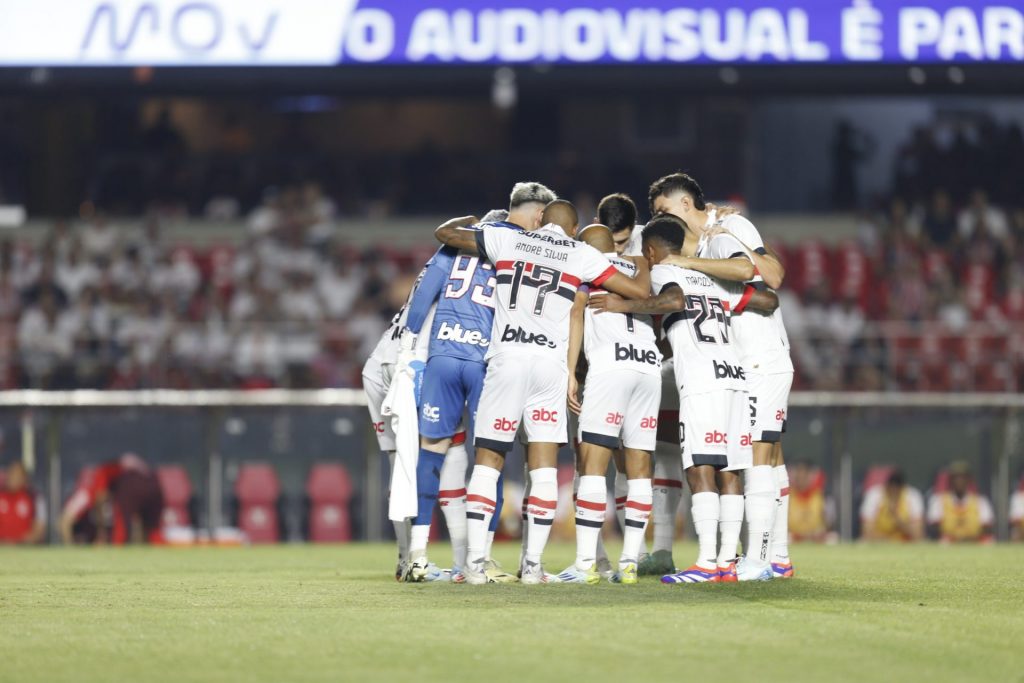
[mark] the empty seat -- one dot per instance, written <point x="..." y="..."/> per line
<point x="177" y="490"/>
<point x="329" y="488"/>
<point x="258" y="490"/>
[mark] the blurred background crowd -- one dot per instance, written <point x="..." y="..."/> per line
<point x="925" y="290"/>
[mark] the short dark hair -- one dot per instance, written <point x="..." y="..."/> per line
<point x="617" y="211"/>
<point x="896" y="478"/>
<point x="677" y="182"/>
<point x="666" y="229"/>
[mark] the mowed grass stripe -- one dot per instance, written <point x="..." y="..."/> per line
<point x="306" y="613"/>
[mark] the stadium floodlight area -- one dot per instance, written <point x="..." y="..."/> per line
<point x="841" y="431"/>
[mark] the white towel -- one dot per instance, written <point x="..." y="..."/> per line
<point x="400" y="404"/>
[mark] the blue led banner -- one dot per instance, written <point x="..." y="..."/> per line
<point x="347" y="32"/>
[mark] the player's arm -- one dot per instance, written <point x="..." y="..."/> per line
<point x="454" y="234"/>
<point x="576" y="323"/>
<point x="736" y="269"/>
<point x="643" y="271"/>
<point x="767" y="262"/>
<point x="428" y="290"/>
<point x="627" y="286"/>
<point x="670" y="300"/>
<point x="757" y="299"/>
<point x="67" y="523"/>
<point x="770" y="267"/>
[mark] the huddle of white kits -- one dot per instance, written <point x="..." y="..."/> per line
<point x="726" y="386"/>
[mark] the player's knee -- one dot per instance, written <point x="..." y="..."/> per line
<point x="763" y="452"/>
<point x="701" y="479"/>
<point x="435" y="445"/>
<point x="729" y="483"/>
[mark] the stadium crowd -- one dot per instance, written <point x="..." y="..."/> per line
<point x="929" y="296"/>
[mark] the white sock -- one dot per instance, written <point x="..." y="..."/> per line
<point x="540" y="510"/>
<point x="639" y="498"/>
<point x="601" y="552"/>
<point x="402" y="532"/>
<point x="760" y="502"/>
<point x="591" y="502"/>
<point x="525" y="523"/>
<point x="452" y="499"/>
<point x="730" y="521"/>
<point x="621" y="491"/>
<point x="418" y="538"/>
<point x="490" y="544"/>
<point x="668" y="488"/>
<point x="402" y="529"/>
<point x="705" y="511"/>
<point x="480" y="503"/>
<point x="780" y="532"/>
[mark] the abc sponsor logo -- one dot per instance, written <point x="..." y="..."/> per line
<point x="544" y="415"/>
<point x="780" y="415"/>
<point x="457" y="333"/>
<point x="717" y="437"/>
<point x="503" y="424"/>
<point x="520" y="336"/>
<point x="726" y="371"/>
<point x="630" y="352"/>
<point x="379" y="427"/>
<point x="431" y="413"/>
<point x="614" y="418"/>
<point x="649" y="423"/>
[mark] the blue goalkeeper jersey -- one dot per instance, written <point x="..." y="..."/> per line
<point x="463" y="287"/>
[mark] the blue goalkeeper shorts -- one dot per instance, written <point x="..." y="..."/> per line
<point x="450" y="385"/>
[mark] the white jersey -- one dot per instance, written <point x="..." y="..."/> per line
<point x="538" y="274"/>
<point x="636" y="242"/>
<point x="762" y="339"/>
<point x="620" y="341"/>
<point x="386" y="350"/>
<point x="705" y="360"/>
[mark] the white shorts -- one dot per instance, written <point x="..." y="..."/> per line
<point x="621" y="402"/>
<point x="668" y="415"/>
<point x="526" y="389"/>
<point x="769" y="399"/>
<point x="713" y="430"/>
<point x="376" y="381"/>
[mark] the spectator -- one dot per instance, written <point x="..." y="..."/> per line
<point x="46" y="339"/>
<point x="1017" y="513"/>
<point x="22" y="511"/>
<point x="133" y="491"/>
<point x="809" y="508"/>
<point x="960" y="514"/>
<point x="982" y="219"/>
<point x="939" y="222"/>
<point x="338" y="285"/>
<point x="75" y="273"/>
<point x="99" y="238"/>
<point x="892" y="511"/>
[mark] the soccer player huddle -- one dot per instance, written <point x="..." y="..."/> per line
<point x="660" y="347"/>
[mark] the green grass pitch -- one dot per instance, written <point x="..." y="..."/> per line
<point x="308" y="613"/>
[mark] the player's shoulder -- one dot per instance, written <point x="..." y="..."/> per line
<point x="664" y="272"/>
<point x="739" y="225"/>
<point x="496" y="225"/>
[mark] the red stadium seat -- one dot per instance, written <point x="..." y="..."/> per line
<point x="329" y="488"/>
<point x="177" y="490"/>
<point x="258" y="490"/>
